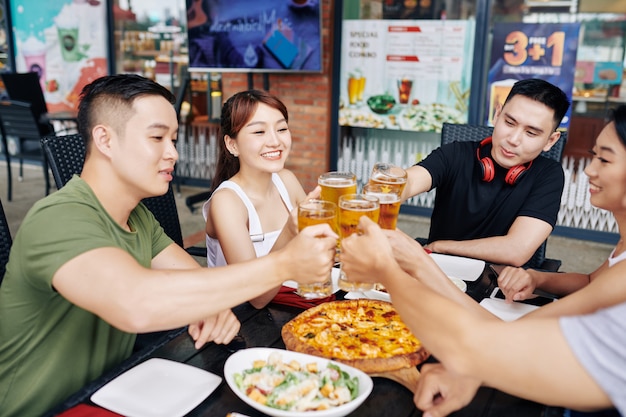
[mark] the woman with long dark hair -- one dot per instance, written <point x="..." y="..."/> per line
<point x="253" y="193"/>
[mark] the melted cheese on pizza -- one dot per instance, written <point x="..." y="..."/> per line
<point x="364" y="332"/>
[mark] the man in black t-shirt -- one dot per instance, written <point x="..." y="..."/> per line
<point x="498" y="199"/>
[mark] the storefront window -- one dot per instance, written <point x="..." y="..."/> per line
<point x="406" y="69"/>
<point x="372" y="118"/>
<point x="598" y="85"/>
<point x="151" y="39"/>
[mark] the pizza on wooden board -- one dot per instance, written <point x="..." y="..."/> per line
<point x="366" y="334"/>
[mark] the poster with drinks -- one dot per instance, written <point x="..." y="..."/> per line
<point x="528" y="50"/>
<point x="65" y="42"/>
<point x="405" y="74"/>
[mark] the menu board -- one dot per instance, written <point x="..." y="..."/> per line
<point x="405" y="74"/>
<point x="527" y="50"/>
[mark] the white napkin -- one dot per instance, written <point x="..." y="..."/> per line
<point x="507" y="312"/>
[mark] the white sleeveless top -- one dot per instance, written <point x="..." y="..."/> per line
<point x="262" y="242"/>
<point x="615" y="259"/>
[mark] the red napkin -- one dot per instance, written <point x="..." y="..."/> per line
<point x="85" y="410"/>
<point x="287" y="296"/>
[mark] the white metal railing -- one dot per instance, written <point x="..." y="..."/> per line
<point x="197" y="150"/>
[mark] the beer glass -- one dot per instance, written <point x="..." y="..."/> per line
<point x="335" y="184"/>
<point x="351" y="208"/>
<point x="389" y="201"/>
<point x="391" y="176"/>
<point x="313" y="212"/>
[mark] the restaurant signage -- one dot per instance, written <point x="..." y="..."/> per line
<point x="524" y="50"/>
<point x="405" y="74"/>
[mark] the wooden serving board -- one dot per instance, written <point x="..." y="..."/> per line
<point x="405" y="376"/>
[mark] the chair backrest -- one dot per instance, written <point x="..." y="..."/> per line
<point x="473" y="133"/>
<point x="17" y="120"/>
<point x="5" y="242"/>
<point x="26" y="87"/>
<point x="66" y="156"/>
<point x="164" y="209"/>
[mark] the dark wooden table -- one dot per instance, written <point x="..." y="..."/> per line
<point x="261" y="328"/>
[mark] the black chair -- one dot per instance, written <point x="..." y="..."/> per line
<point x="25" y="87"/>
<point x="5" y="242"/>
<point x="17" y="121"/>
<point x="474" y="133"/>
<point x="67" y="155"/>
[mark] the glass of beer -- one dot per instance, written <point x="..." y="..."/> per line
<point x="335" y="184"/>
<point x="351" y="208"/>
<point x="389" y="201"/>
<point x="390" y="176"/>
<point x="311" y="212"/>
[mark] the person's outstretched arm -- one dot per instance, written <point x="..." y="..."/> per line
<point x="527" y="358"/>
<point x="110" y="283"/>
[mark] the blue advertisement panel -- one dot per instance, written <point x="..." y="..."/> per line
<point x="527" y="50"/>
<point x="250" y="35"/>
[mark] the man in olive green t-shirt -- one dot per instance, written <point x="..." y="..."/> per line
<point x="90" y="267"/>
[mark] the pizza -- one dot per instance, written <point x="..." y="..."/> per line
<point x="366" y="334"/>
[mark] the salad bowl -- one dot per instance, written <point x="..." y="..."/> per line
<point x="242" y="361"/>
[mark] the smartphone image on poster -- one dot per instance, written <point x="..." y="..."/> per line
<point x="281" y="48"/>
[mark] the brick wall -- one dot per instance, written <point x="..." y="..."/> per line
<point x="308" y="98"/>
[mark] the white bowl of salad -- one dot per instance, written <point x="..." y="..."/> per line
<point x="282" y="383"/>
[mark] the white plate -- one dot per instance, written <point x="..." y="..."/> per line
<point x="507" y="312"/>
<point x="377" y="295"/>
<point x="371" y="295"/>
<point x="462" y="285"/>
<point x="157" y="388"/>
<point x="243" y="359"/>
<point x="384" y="296"/>
<point x="467" y="269"/>
<point x="334" y="277"/>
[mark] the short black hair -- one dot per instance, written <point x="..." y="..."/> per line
<point x="544" y="92"/>
<point x="114" y="90"/>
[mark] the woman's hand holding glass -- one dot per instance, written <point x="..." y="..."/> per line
<point x="313" y="212"/>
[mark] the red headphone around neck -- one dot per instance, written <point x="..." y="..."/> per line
<point x="488" y="168"/>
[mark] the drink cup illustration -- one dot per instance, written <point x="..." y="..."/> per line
<point x="34" y="52"/>
<point x="404" y="90"/>
<point x="67" y="29"/>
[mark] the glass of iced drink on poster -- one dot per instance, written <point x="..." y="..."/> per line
<point x="351" y="208"/>
<point x="389" y="201"/>
<point x="361" y="89"/>
<point x="404" y="90"/>
<point x="389" y="175"/>
<point x="353" y="89"/>
<point x="311" y="212"/>
<point x="356" y="86"/>
<point x="335" y="184"/>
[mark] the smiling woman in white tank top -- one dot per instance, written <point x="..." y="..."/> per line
<point x="253" y="192"/>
